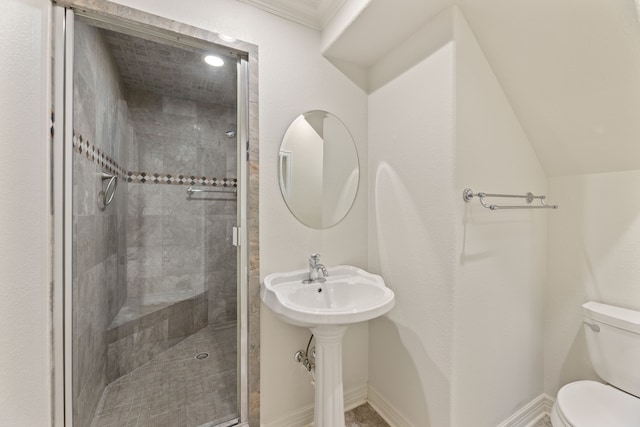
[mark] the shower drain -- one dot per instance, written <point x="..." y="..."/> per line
<point x="201" y="356"/>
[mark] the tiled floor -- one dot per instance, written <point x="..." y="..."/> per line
<point x="175" y="389"/>
<point x="366" y="416"/>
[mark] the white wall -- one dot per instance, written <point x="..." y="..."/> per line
<point x="458" y="270"/>
<point x="293" y="78"/>
<point x="411" y="173"/>
<point x="340" y="171"/>
<point x="305" y="164"/>
<point x="570" y="70"/>
<point x="24" y="291"/>
<point x="500" y="255"/>
<point x="593" y="253"/>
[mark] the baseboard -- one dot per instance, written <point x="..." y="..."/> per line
<point x="299" y="418"/>
<point x="527" y="416"/>
<point x="386" y="410"/>
<point x="303" y="417"/>
<point x="355" y="397"/>
<point x="531" y="413"/>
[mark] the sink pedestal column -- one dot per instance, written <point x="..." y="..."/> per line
<point x="329" y="397"/>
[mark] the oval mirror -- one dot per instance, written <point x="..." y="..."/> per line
<point x="318" y="169"/>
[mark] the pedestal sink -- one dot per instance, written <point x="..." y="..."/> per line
<point x="349" y="295"/>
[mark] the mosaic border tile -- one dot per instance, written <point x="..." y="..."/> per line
<point x="179" y="179"/>
<point x="94" y="154"/>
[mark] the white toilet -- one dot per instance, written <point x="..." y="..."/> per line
<point x="613" y="340"/>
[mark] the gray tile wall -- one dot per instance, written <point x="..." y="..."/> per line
<point x="151" y="244"/>
<point x="137" y="341"/>
<point x="99" y="243"/>
<point x="253" y="294"/>
<point x="180" y="136"/>
<point x="179" y="247"/>
<point x="165" y="237"/>
<point x="221" y="266"/>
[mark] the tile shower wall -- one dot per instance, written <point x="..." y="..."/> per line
<point x="153" y="253"/>
<point x="179" y="247"/>
<point x="99" y="241"/>
<point x="134" y="342"/>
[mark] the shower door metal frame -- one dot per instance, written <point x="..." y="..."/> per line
<point x="62" y="191"/>
<point x="242" y="136"/>
<point x="62" y="210"/>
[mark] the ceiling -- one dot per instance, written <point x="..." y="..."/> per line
<point x="570" y="68"/>
<point x="312" y="13"/>
<point x="168" y="70"/>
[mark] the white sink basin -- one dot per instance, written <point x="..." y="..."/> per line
<point x="349" y="295"/>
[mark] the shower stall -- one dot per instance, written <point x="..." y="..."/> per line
<point x="154" y="166"/>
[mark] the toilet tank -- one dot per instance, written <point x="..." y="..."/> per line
<point x="613" y="340"/>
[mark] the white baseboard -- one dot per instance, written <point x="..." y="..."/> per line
<point x="298" y="418"/>
<point x="527" y="416"/>
<point x="531" y="413"/>
<point x="386" y="410"/>
<point x="355" y="397"/>
<point x="303" y="417"/>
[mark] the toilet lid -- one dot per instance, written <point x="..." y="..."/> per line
<point x="592" y="404"/>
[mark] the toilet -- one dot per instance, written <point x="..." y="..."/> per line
<point x="613" y="341"/>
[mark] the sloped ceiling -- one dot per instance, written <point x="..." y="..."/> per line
<point x="570" y="68"/>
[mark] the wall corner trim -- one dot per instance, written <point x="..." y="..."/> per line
<point x="531" y="413"/>
<point x="390" y="414"/>
<point x="353" y="398"/>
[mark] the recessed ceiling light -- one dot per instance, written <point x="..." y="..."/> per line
<point x="214" y="61"/>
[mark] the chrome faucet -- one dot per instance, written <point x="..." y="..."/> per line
<point x="317" y="271"/>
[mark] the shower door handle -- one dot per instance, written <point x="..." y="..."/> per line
<point x="235" y="234"/>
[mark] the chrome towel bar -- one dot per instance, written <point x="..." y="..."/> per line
<point x="191" y="190"/>
<point x="468" y="194"/>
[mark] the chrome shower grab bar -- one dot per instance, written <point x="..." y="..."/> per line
<point x="105" y="197"/>
<point x="191" y="190"/>
<point x="468" y="194"/>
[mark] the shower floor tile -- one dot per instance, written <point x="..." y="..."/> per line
<point x="175" y="389"/>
